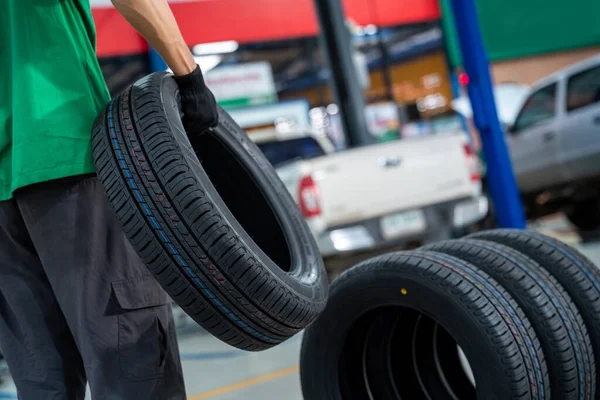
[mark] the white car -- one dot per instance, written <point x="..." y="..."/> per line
<point x="409" y="190"/>
<point x="554" y="145"/>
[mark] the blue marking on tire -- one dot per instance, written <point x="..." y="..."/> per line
<point x="154" y="222"/>
<point x="166" y="241"/>
<point x="510" y="310"/>
<point x="181" y="261"/>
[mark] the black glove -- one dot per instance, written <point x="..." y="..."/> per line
<point x="198" y="104"/>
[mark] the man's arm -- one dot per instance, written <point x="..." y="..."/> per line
<point x="154" y="20"/>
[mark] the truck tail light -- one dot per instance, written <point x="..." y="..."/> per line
<point x="472" y="163"/>
<point x="308" y="197"/>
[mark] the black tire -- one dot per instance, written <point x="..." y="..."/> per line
<point x="231" y="248"/>
<point x="585" y="215"/>
<point x="575" y="272"/>
<point x="502" y="348"/>
<point x="553" y="315"/>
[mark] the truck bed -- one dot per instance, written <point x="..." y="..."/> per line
<point x="380" y="179"/>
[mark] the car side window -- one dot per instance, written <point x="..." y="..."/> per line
<point x="583" y="89"/>
<point x="539" y="106"/>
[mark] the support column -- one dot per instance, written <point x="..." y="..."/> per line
<point x="157" y="64"/>
<point x="347" y="91"/>
<point x="502" y="184"/>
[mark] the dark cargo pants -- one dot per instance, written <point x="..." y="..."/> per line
<point x="77" y="304"/>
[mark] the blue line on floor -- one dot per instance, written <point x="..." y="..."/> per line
<point x="8" y="395"/>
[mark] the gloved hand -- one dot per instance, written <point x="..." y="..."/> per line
<point x="197" y="103"/>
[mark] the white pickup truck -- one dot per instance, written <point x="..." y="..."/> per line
<point x="410" y="190"/>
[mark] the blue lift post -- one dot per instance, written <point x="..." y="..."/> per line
<point x="502" y="184"/>
<point x="157" y="64"/>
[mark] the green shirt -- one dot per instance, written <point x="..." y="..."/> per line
<point x="51" y="89"/>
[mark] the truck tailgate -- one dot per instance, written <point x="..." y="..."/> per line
<point x="384" y="178"/>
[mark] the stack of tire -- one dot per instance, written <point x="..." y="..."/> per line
<point x="500" y="314"/>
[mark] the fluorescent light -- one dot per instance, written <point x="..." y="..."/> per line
<point x="225" y="47"/>
<point x="206" y="63"/>
<point x="370" y="29"/>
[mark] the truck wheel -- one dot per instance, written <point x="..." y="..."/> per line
<point x="209" y="217"/>
<point x="577" y="275"/>
<point x="553" y="315"/>
<point x="494" y="333"/>
<point x="585" y="216"/>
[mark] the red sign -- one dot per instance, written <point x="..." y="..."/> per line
<point x="251" y="21"/>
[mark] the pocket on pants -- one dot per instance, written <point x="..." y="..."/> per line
<point x="143" y="331"/>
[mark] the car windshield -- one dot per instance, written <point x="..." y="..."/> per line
<point x="285" y="151"/>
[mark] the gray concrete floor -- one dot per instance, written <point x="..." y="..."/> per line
<point x="272" y="374"/>
<point x="216" y="371"/>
